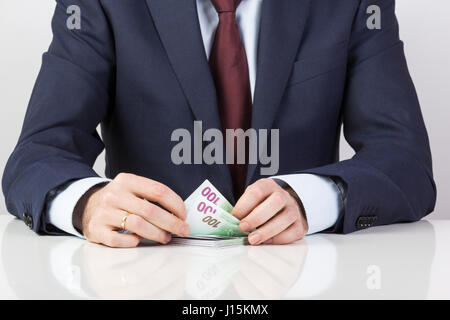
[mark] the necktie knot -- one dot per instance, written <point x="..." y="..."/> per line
<point x="223" y="6"/>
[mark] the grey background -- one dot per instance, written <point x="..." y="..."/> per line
<point x="25" y="34"/>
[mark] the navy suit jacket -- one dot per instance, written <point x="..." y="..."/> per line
<point x="139" y="68"/>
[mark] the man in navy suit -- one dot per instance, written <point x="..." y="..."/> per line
<point x="145" y="68"/>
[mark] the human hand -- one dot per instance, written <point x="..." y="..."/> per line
<point x="273" y="211"/>
<point x="103" y="209"/>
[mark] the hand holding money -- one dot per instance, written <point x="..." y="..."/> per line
<point x="273" y="211"/>
<point x="132" y="199"/>
<point x="266" y="210"/>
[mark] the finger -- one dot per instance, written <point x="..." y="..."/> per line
<point x="253" y="196"/>
<point x="263" y="212"/>
<point x="153" y="214"/>
<point x="295" y="232"/>
<point x="274" y="226"/>
<point x="154" y="191"/>
<point x="114" y="239"/>
<point x="136" y="224"/>
<point x="145" y="229"/>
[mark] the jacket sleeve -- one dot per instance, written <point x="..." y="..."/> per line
<point x="59" y="141"/>
<point x="390" y="178"/>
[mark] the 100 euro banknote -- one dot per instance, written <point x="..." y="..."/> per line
<point x="209" y="213"/>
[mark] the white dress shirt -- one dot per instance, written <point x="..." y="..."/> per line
<point x="319" y="195"/>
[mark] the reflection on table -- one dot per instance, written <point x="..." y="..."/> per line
<point x="376" y="263"/>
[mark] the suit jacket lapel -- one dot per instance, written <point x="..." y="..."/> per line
<point x="177" y="24"/>
<point x="282" y="27"/>
<point x="179" y="30"/>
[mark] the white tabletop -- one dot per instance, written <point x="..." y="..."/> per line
<point x="398" y="261"/>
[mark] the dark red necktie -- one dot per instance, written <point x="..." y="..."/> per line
<point x="228" y="63"/>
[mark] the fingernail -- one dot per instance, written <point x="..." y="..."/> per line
<point x="244" y="226"/>
<point x="168" y="238"/>
<point x="269" y="241"/>
<point x="185" y="231"/>
<point x="254" y="238"/>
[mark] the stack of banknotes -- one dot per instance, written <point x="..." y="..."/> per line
<point x="210" y="220"/>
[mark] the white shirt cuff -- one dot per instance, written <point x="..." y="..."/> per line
<point x="320" y="198"/>
<point x="61" y="207"/>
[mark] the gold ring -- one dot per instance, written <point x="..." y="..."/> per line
<point x="124" y="220"/>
